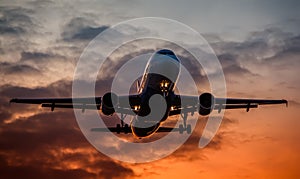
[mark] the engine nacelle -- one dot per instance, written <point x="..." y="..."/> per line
<point x="109" y="101"/>
<point x="207" y="103"/>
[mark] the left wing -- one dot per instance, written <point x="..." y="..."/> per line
<point x="235" y="103"/>
<point x="193" y="103"/>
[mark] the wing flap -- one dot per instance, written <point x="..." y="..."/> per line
<point x="74" y="106"/>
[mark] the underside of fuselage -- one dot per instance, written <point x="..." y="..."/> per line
<point x="143" y="129"/>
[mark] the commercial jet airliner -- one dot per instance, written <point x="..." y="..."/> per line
<point x="152" y="83"/>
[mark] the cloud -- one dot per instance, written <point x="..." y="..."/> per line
<point x="81" y="29"/>
<point x="17" y="69"/>
<point x="232" y="68"/>
<point x="290" y="47"/>
<point x="15" y="21"/>
<point x="48" y="144"/>
<point x="34" y="55"/>
<point x="88" y="33"/>
<point x="32" y="172"/>
<point x="34" y="67"/>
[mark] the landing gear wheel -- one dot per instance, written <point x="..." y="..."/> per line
<point x="181" y="129"/>
<point x="118" y="128"/>
<point x="188" y="129"/>
<point x="126" y="128"/>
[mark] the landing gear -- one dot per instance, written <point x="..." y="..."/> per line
<point x="188" y="129"/>
<point x="181" y="129"/>
<point x="118" y="128"/>
<point x="126" y="128"/>
<point x="122" y="127"/>
<point x="184" y="127"/>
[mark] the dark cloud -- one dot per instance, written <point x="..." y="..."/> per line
<point x="81" y="29"/>
<point x="257" y="45"/>
<point x="34" y="55"/>
<point x="286" y="57"/>
<point x="15" y="21"/>
<point x="192" y="66"/>
<point x="88" y="33"/>
<point x="227" y="59"/>
<point x="4" y="114"/>
<point x="43" y="59"/>
<point x="262" y="53"/>
<point x="291" y="46"/>
<point x="45" y="136"/>
<point x="231" y="66"/>
<point x="34" y="145"/>
<point x="20" y="69"/>
<point x="18" y="28"/>
<point x="37" y="172"/>
<point x="60" y="88"/>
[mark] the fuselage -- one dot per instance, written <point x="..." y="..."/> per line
<point x="159" y="79"/>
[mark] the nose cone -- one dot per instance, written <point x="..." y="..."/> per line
<point x="164" y="62"/>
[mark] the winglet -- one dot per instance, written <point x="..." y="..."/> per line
<point x="286" y="102"/>
<point x="13" y="100"/>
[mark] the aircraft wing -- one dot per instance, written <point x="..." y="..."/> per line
<point x="235" y="103"/>
<point x="191" y="103"/>
<point x="126" y="103"/>
<point x="76" y="103"/>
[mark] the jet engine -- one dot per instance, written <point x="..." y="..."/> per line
<point x="207" y="103"/>
<point x="109" y="101"/>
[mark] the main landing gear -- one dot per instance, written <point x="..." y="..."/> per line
<point x="185" y="127"/>
<point x="122" y="127"/>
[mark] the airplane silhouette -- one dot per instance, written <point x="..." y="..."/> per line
<point x="145" y="122"/>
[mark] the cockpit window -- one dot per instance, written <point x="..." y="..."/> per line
<point x="165" y="52"/>
<point x="169" y="53"/>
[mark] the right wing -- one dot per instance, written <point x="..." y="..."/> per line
<point x="76" y="103"/>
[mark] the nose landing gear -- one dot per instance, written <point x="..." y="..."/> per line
<point x="121" y="127"/>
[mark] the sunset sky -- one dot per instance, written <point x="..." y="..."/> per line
<point x="257" y="43"/>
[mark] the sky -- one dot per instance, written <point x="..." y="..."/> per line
<point x="256" y="42"/>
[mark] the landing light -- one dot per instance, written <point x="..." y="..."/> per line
<point x="164" y="84"/>
<point x="136" y="108"/>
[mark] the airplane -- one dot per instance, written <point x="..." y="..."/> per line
<point x="152" y="83"/>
